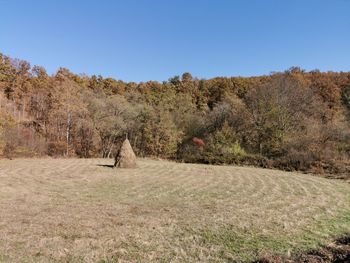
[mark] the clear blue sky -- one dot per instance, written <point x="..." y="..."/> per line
<point x="139" y="40"/>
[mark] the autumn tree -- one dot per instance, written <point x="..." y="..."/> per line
<point x="112" y="117"/>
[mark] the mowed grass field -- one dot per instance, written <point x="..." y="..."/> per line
<point x="77" y="210"/>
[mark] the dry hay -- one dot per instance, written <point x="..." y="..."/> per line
<point x="126" y="157"/>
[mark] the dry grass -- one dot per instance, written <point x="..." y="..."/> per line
<point x="73" y="210"/>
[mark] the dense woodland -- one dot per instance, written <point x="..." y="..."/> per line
<point x="292" y="120"/>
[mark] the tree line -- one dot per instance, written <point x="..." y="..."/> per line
<point x="292" y="120"/>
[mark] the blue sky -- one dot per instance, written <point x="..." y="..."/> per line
<point x="140" y="40"/>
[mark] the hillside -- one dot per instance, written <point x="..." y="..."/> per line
<point x="292" y="120"/>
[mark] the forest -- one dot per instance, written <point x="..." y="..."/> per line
<point x="291" y="120"/>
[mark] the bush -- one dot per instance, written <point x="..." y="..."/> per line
<point x="9" y="150"/>
<point x="223" y="147"/>
<point x="56" y="148"/>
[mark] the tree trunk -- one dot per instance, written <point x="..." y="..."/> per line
<point x="68" y="132"/>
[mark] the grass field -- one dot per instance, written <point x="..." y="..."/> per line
<point x="77" y="210"/>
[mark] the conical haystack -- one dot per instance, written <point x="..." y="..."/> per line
<point x="126" y="157"/>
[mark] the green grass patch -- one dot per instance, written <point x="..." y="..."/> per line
<point x="233" y="244"/>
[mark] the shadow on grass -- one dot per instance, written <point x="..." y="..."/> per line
<point x="106" y="165"/>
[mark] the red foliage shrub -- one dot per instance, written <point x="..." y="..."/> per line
<point x="198" y="142"/>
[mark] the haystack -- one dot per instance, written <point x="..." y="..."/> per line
<point x="125" y="157"/>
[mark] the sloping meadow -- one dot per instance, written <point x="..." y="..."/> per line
<point x="81" y="210"/>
